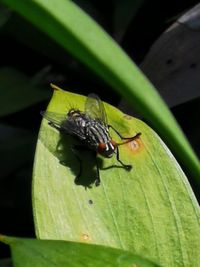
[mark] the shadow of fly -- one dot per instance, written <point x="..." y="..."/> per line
<point x="92" y="129"/>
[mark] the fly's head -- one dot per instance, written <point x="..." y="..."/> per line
<point x="107" y="149"/>
<point x="74" y="113"/>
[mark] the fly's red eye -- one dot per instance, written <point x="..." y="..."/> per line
<point x="101" y="147"/>
<point x="106" y="149"/>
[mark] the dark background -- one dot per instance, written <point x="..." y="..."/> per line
<point x="27" y="50"/>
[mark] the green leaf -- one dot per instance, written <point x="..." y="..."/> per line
<point x="83" y="38"/>
<point x="5" y="263"/>
<point x="17" y="92"/>
<point x="150" y="210"/>
<point x="47" y="253"/>
<point x="5" y="15"/>
<point x="124" y="12"/>
<point x="13" y="148"/>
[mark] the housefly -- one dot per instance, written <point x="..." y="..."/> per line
<point x="91" y="128"/>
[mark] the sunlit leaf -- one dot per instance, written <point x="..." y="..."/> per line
<point x="150" y="210"/>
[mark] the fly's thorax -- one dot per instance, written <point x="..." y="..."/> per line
<point x="78" y="117"/>
<point x="78" y="120"/>
<point x="93" y="132"/>
<point x="98" y="138"/>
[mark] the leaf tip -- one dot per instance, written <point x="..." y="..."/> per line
<point x="55" y="87"/>
<point x="3" y="239"/>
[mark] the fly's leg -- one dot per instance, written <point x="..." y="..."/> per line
<point x="126" y="167"/>
<point x="124" y="138"/>
<point x="54" y="126"/>
<point x="129" y="139"/>
<point x="97" y="182"/>
<point x="75" y="149"/>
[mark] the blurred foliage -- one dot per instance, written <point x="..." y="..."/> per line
<point x="18" y="91"/>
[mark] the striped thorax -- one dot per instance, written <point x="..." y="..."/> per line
<point x="93" y="132"/>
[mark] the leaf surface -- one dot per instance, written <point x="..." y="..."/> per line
<point x="47" y="253"/>
<point x="150" y="211"/>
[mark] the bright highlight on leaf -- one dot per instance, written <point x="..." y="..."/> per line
<point x="150" y="211"/>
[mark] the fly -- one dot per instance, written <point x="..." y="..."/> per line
<point x="92" y="129"/>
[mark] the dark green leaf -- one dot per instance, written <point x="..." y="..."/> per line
<point x="17" y="92"/>
<point x="5" y="263"/>
<point x="47" y="253"/>
<point x="16" y="149"/>
<point x="124" y="12"/>
<point x="5" y="14"/>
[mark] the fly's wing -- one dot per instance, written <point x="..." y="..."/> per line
<point x="53" y="117"/>
<point x="64" y="123"/>
<point x="95" y="109"/>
